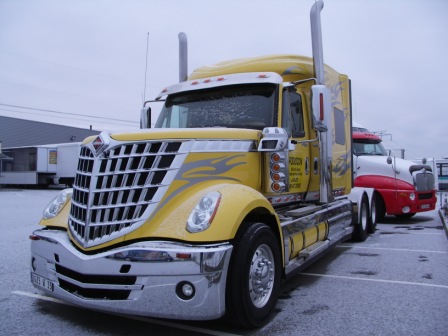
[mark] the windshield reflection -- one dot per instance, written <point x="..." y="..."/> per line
<point x="239" y="106"/>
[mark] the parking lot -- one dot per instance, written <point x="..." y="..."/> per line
<point x="395" y="283"/>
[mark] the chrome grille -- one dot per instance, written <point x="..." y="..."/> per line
<point x="117" y="190"/>
<point x="424" y="181"/>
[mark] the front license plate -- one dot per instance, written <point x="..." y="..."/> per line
<point x="425" y="206"/>
<point x="42" y="282"/>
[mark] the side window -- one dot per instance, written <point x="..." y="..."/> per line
<point x="293" y="114"/>
<point x="339" y="126"/>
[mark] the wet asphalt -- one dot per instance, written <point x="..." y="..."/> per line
<point x="395" y="283"/>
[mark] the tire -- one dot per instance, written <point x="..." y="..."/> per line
<point x="374" y="211"/>
<point x="380" y="208"/>
<point x="254" y="277"/>
<point x="362" y="220"/>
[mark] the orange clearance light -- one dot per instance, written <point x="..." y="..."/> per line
<point x="183" y="255"/>
<point x="263" y="76"/>
<point x="208" y="80"/>
<point x="275" y="157"/>
<point x="220" y="79"/>
<point x="276" y="186"/>
<point x="195" y="83"/>
<point x="276" y="167"/>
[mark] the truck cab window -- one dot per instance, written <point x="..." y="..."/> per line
<point x="339" y="126"/>
<point x="367" y="147"/>
<point x="250" y="106"/>
<point x="293" y="114"/>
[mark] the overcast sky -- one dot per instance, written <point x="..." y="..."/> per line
<point x="82" y="62"/>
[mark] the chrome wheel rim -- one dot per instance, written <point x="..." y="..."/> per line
<point x="261" y="276"/>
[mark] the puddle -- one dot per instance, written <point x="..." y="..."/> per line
<point x="364" y="273"/>
<point x="315" y="309"/>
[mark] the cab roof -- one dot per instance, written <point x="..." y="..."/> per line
<point x="365" y="136"/>
<point x="290" y="67"/>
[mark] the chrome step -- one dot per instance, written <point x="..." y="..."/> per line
<point x="303" y="211"/>
<point x="314" y="249"/>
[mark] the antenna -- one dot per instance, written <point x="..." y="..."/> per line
<point x="146" y="66"/>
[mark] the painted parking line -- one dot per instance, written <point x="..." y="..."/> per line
<point x="389" y="249"/>
<point x="375" y="280"/>
<point x="426" y="233"/>
<point x="138" y="318"/>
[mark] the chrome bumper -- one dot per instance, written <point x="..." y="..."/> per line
<point x="158" y="279"/>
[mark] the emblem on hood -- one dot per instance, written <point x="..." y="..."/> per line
<point x="100" y="144"/>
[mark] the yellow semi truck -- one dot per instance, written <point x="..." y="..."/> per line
<point x="245" y="178"/>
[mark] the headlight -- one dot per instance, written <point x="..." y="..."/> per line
<point x="56" y="205"/>
<point x="412" y="196"/>
<point x="202" y="215"/>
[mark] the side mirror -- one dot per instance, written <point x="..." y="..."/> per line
<point x="145" y="117"/>
<point x="389" y="160"/>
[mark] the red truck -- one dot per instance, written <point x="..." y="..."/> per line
<point x="403" y="187"/>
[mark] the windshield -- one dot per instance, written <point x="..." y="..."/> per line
<point x="368" y="148"/>
<point x="240" y="106"/>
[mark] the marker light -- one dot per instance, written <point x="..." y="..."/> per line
<point x="321" y="99"/>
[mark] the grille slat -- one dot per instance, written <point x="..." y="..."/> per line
<point x="424" y="182"/>
<point x="113" y="192"/>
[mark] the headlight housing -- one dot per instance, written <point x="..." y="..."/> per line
<point x="56" y="205"/>
<point x="203" y="213"/>
<point x="412" y="196"/>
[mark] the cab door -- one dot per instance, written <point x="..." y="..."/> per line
<point x="296" y="124"/>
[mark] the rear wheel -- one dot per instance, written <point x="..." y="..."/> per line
<point x="380" y="208"/>
<point x="254" y="279"/>
<point x="361" y="227"/>
<point x="374" y="210"/>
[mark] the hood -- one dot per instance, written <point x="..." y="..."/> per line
<point x="377" y="165"/>
<point x="188" y="133"/>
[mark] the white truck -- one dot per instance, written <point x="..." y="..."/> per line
<point x="403" y="187"/>
<point x="42" y="165"/>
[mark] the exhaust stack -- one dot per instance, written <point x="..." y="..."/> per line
<point x="322" y="108"/>
<point x="183" y="57"/>
<point x="316" y="41"/>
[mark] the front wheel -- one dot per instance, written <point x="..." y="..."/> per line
<point x="254" y="277"/>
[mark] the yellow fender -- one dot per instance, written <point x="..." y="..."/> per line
<point x="237" y="201"/>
